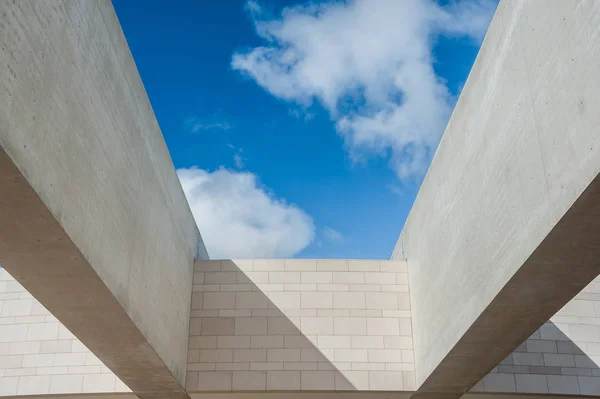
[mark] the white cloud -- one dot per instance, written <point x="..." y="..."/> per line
<point x="195" y="124"/>
<point x="332" y="235"/>
<point x="370" y="64"/>
<point x="240" y="219"/>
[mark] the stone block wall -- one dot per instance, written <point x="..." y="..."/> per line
<point x="562" y="357"/>
<point x="38" y="355"/>
<point x="293" y="325"/>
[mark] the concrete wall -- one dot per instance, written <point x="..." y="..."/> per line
<point x="291" y="325"/>
<point x="483" y="237"/>
<point x="82" y="154"/>
<point x="39" y="355"/>
<point x="562" y="357"/>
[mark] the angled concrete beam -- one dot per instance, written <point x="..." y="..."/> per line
<point x="93" y="220"/>
<point x="505" y="229"/>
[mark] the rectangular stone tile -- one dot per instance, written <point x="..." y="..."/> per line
<point x="269" y="265"/>
<point x="317" y="380"/>
<point x="266" y="366"/>
<point x="382" y="326"/>
<point x="381" y="300"/>
<point x="332" y="265"/>
<point x="312" y="355"/>
<point x="496" y="382"/>
<point x="409" y="381"/>
<point x="541" y="346"/>
<point x="316" y="300"/>
<point x="360" y="265"/>
<point x="34" y="385"/>
<point x="215" y="380"/>
<point x="70" y="359"/>
<point x="531" y="383"/>
<point x="267" y="341"/>
<point x="191" y="381"/>
<point x="351" y="380"/>
<point x="367" y="342"/>
<point x="42" y="332"/>
<point x="250" y="326"/>
<point x="349" y="300"/>
<point x="283" y="380"/>
<point x="333" y="341"/>
<point x="563" y="384"/>
<point x="22" y="348"/>
<point x="218" y="326"/>
<point x="385" y="380"/>
<point x="317" y="325"/>
<point x="351" y="355"/>
<point x="300" y="265"/>
<point x="250" y="355"/>
<point x="66" y="384"/>
<point x="233" y="341"/>
<point x="385" y="355"/>
<point x="383" y="278"/>
<point x="249" y="380"/>
<point x="283" y="355"/>
<point x="348" y="277"/>
<point x="215" y="355"/>
<point x="219" y="300"/>
<point x="251" y="300"/>
<point x="285" y="300"/>
<point x="282" y="277"/>
<point x="206" y="342"/>
<point x="364" y="287"/>
<point x="349" y="326"/>
<point x="559" y="360"/>
<point x="257" y="277"/>
<point x="220" y="277"/>
<point x="300" y="287"/>
<point x="317" y="277"/>
<point x="232" y="366"/>
<point x="299" y="341"/>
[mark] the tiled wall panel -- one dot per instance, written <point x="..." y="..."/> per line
<point x="300" y="325"/>
<point x="38" y="355"/>
<point x="562" y="357"/>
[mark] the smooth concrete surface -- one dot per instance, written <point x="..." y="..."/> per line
<point x="300" y="325"/>
<point x="504" y="230"/>
<point x="94" y="221"/>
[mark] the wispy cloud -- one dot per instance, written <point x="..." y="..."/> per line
<point x="332" y="235"/>
<point x="239" y="161"/>
<point x="370" y="64"/>
<point x="239" y="218"/>
<point x="195" y="124"/>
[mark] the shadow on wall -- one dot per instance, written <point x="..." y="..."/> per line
<point x="550" y="362"/>
<point x="249" y="334"/>
<point x="241" y="340"/>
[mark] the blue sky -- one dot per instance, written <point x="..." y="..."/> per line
<point x="302" y="130"/>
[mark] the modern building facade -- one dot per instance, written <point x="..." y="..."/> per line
<point x="492" y="289"/>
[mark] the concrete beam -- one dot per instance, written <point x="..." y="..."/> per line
<point x="94" y="221"/>
<point x="504" y="230"/>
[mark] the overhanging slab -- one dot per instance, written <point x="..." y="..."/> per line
<point x="94" y="221"/>
<point x="504" y="230"/>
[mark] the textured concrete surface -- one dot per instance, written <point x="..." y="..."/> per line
<point x="300" y="325"/>
<point x="39" y="355"/>
<point x="95" y="223"/>
<point x="504" y="231"/>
